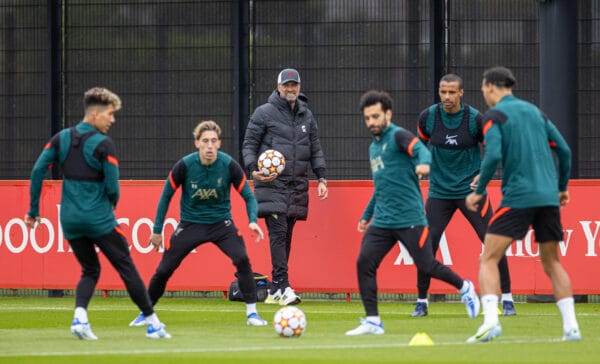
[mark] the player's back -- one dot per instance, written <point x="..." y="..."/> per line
<point x="529" y="173"/>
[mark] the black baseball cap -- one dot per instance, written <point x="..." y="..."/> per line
<point x="288" y="74"/>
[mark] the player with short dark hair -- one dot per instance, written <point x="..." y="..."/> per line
<point x="90" y="192"/>
<point x="521" y="136"/>
<point x="395" y="210"/>
<point x="206" y="178"/>
<point x="453" y="131"/>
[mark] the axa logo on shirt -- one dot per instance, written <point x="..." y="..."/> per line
<point x="205" y="193"/>
<point x="376" y="164"/>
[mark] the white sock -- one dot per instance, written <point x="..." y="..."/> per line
<point x="153" y="320"/>
<point x="507" y="297"/>
<point x="423" y="300"/>
<point x="490" y="309"/>
<point x="567" y="311"/>
<point x="374" y="319"/>
<point x="81" y="314"/>
<point x="250" y="308"/>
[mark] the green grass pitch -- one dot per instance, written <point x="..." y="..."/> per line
<point x="210" y="330"/>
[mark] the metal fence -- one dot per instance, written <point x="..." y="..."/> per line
<point x="177" y="62"/>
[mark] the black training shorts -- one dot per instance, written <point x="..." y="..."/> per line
<point x="511" y="222"/>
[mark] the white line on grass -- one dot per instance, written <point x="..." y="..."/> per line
<point x="211" y="309"/>
<point x="353" y="345"/>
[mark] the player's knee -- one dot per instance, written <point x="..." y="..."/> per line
<point x="277" y="240"/>
<point x="551" y="267"/>
<point x="427" y="269"/>
<point x="164" y="273"/>
<point x="364" y="264"/>
<point x="92" y="273"/>
<point x="242" y="264"/>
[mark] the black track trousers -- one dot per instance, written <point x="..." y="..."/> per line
<point x="439" y="213"/>
<point x="114" y="247"/>
<point x="189" y="236"/>
<point x="377" y="242"/>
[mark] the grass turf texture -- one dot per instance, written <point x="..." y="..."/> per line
<point x="36" y="330"/>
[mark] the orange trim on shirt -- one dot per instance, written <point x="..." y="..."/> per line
<point x="120" y="231"/>
<point x="487" y="126"/>
<point x="112" y="160"/>
<point x="241" y="185"/>
<point x="171" y="181"/>
<point x="423" y="236"/>
<point x="47" y="146"/>
<point x="423" y="136"/>
<point x="498" y="213"/>
<point x="409" y="149"/>
<point x="486" y="206"/>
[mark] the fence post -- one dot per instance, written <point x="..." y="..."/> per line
<point x="239" y="73"/>
<point x="558" y="70"/>
<point x="54" y="31"/>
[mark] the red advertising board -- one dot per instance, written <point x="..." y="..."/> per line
<point x="324" y="248"/>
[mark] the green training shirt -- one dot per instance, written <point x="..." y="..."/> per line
<point x="205" y="190"/>
<point x="519" y="135"/>
<point x="454" y="144"/>
<point x="396" y="202"/>
<point x="90" y="189"/>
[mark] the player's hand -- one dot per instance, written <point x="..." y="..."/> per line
<point x="257" y="176"/>
<point x="563" y="198"/>
<point x="156" y="241"/>
<point x="474" y="183"/>
<point x="472" y="201"/>
<point x="259" y="233"/>
<point x="422" y="170"/>
<point x="322" y="191"/>
<point x="31" y="222"/>
<point x="362" y="226"/>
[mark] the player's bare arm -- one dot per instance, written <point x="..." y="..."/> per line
<point x="156" y="241"/>
<point x="422" y="170"/>
<point x="362" y="226"/>
<point x="472" y="201"/>
<point x="563" y="198"/>
<point x="259" y="233"/>
<point x="31" y="222"/>
<point x="473" y="184"/>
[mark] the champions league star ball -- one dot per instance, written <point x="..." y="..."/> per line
<point x="271" y="163"/>
<point x="289" y="321"/>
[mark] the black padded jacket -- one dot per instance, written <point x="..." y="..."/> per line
<point x="294" y="133"/>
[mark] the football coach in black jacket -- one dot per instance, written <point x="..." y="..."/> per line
<point x="286" y="124"/>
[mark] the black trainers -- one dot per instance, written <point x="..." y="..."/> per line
<point x="508" y="308"/>
<point x="420" y="310"/>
